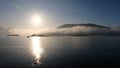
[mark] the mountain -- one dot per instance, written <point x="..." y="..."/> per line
<point x="86" y="25"/>
<point x="80" y="30"/>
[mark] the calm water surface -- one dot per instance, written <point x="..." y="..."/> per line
<point x="60" y="52"/>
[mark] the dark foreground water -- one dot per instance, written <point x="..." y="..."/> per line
<point x="60" y="52"/>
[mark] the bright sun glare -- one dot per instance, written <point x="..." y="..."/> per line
<point x="36" y="19"/>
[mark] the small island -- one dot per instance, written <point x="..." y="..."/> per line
<point x="13" y="35"/>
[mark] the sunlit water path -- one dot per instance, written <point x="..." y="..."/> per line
<point x="37" y="49"/>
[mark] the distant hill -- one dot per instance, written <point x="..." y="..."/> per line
<point x="86" y="25"/>
<point x="80" y="30"/>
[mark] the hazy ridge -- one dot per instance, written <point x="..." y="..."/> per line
<point x="81" y="29"/>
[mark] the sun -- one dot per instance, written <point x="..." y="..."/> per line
<point x="36" y="19"/>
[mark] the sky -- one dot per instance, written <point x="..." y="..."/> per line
<point x="18" y="13"/>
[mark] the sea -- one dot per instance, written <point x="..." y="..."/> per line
<point x="60" y="52"/>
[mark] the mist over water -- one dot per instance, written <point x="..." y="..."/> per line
<point x="79" y="30"/>
<point x="4" y="30"/>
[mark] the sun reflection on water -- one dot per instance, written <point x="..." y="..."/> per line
<point x="37" y="49"/>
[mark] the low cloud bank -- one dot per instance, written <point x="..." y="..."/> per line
<point x="22" y="32"/>
<point x="80" y="30"/>
<point x="67" y="29"/>
<point x="4" y="30"/>
<point x="11" y="31"/>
